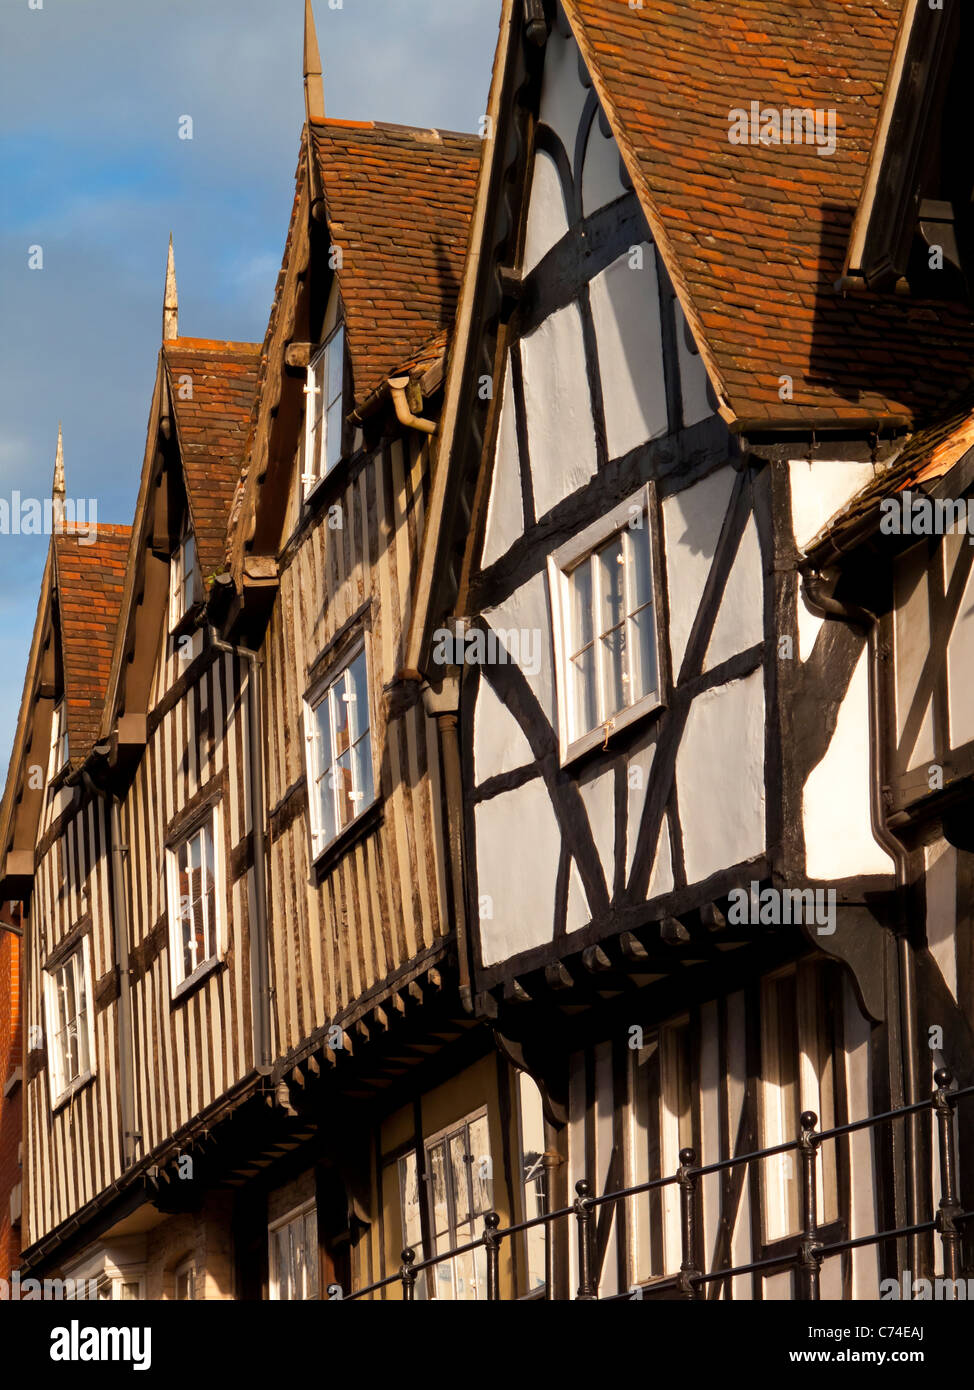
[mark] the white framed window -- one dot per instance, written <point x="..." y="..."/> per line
<point x="797" y="1074"/>
<point x="460" y="1187"/>
<point x="338" y="734"/>
<point x="67" y="999"/>
<point x="324" y="410"/>
<point x="58" y="756"/>
<point x="184" y="1282"/>
<point x="604" y="611"/>
<point x="661" y="1125"/>
<point x="195" y="882"/>
<point x="184" y="583"/>
<point x="293" y="1262"/>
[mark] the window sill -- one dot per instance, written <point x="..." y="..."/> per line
<point x="78" y="1084"/>
<point x="363" y="823"/>
<point x="649" y="706"/>
<point x="187" y="986"/>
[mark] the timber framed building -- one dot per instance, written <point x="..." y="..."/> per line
<point x="505" y="655"/>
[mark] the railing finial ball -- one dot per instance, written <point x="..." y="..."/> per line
<point x="491" y="1220"/>
<point x="943" y="1078"/>
<point x="408" y="1256"/>
<point x="583" y="1187"/>
<point x="809" y="1119"/>
<point x="688" y="1158"/>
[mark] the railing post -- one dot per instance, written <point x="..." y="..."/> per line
<point x="408" y="1275"/>
<point x="809" y="1249"/>
<point x="949" y="1205"/>
<point x="492" y="1244"/>
<point x="688" y="1223"/>
<point x="583" y="1215"/>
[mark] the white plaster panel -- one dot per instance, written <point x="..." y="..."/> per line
<point x="820" y="489"/>
<point x="558" y="404"/>
<point x="637" y="777"/>
<point x="625" y="310"/>
<point x="499" y="742"/>
<point x="693" y="373"/>
<point x="720" y="777"/>
<point x="598" y="797"/>
<point x="528" y="610"/>
<point x="661" y="879"/>
<point x="941" y="865"/>
<point x="839" y="841"/>
<point x="547" y="215"/>
<point x="960" y="657"/>
<point x="740" y="618"/>
<point x="505" y="513"/>
<point x="912" y="642"/>
<point x="518" y="848"/>
<point x="562" y="93"/>
<point x="578" y="914"/>
<point x="809" y="626"/>
<point x="692" y="520"/>
<point x="601" y="183"/>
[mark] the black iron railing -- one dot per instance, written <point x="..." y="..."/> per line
<point x="806" y="1258"/>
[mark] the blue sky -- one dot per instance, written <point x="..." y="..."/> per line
<point x="92" y="170"/>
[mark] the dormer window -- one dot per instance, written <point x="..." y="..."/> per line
<point x="59" y="740"/>
<point x="323" y="416"/>
<point x="184" y="588"/>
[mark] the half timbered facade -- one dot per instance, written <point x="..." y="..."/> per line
<point x="704" y="934"/>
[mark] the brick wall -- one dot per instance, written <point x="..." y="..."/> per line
<point x="11" y="1103"/>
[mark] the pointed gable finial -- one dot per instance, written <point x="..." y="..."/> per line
<point x="170" y="304"/>
<point x="57" y="491"/>
<point x="314" y="92"/>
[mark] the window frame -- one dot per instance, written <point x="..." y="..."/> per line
<point x="182" y="597"/>
<point x="316" y="470"/>
<point x="211" y="815"/>
<point x="321" y="840"/>
<point x="115" y="1282"/>
<point x="443" y="1136"/>
<point x="290" y="1218"/>
<point x="562" y="563"/>
<point x="62" y="1088"/>
<point x="57" y="759"/>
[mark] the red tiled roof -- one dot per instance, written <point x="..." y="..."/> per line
<point x="755" y="235"/>
<point x="399" y="203"/>
<point x="212" y="425"/>
<point x="90" y="579"/>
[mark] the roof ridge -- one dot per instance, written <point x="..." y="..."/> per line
<point x="198" y="344"/>
<point x="432" y="133"/>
